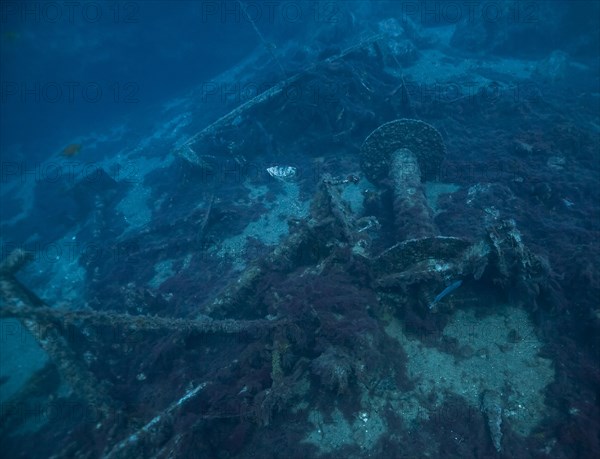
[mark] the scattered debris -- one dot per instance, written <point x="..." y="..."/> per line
<point x="283" y="173"/>
<point x="491" y="405"/>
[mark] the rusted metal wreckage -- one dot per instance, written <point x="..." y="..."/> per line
<point x="400" y="155"/>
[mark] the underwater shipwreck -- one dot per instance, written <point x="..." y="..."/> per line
<point x="338" y="266"/>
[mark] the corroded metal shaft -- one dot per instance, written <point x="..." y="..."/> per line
<point x="398" y="152"/>
<point x="413" y="215"/>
